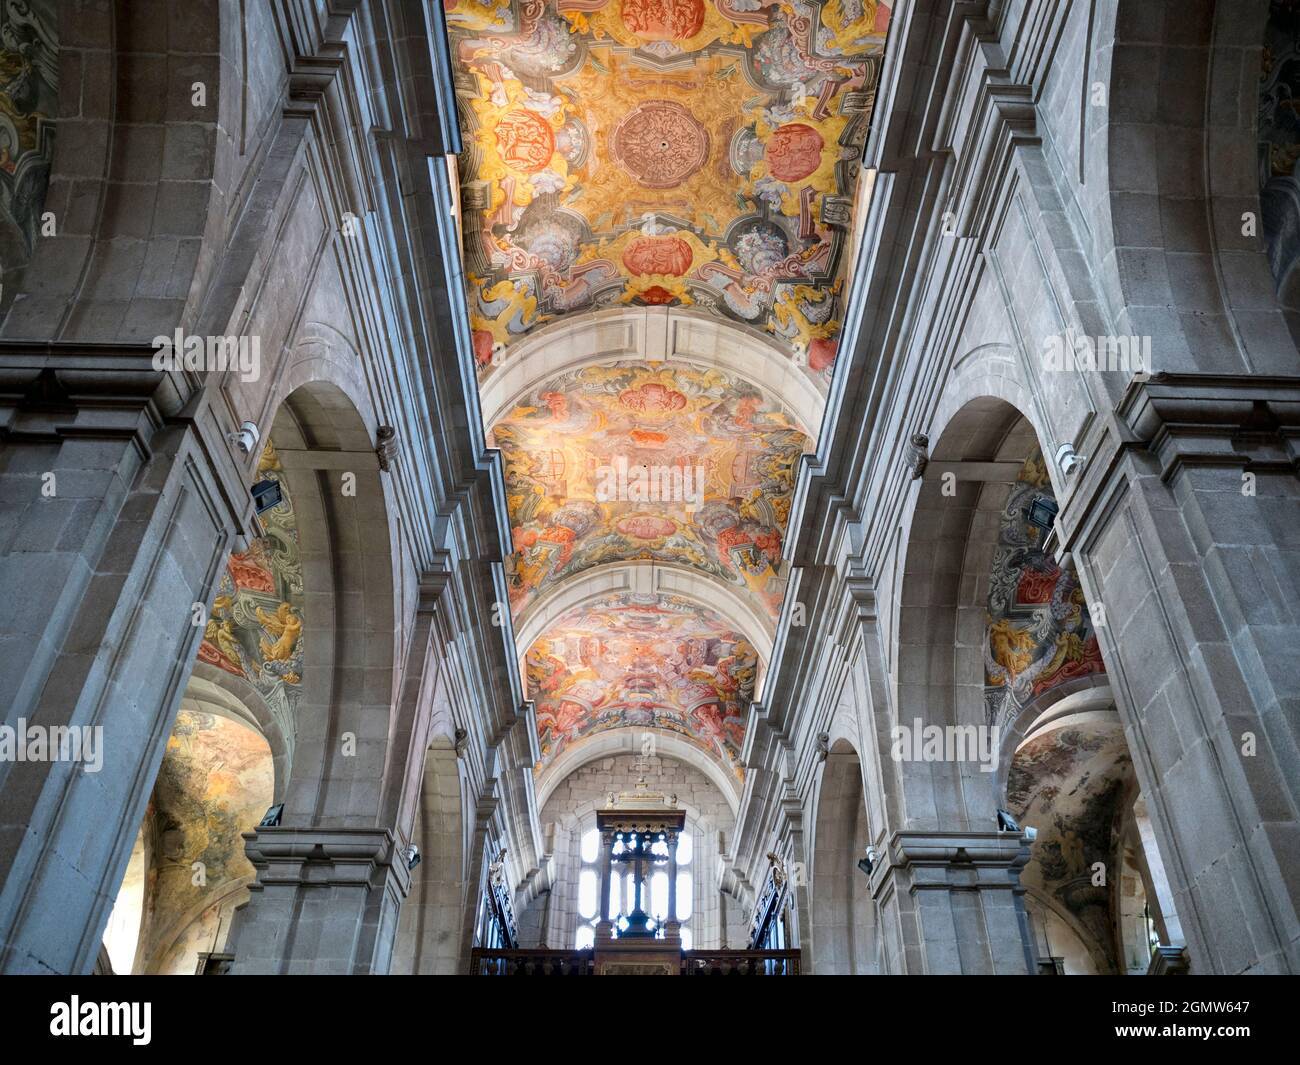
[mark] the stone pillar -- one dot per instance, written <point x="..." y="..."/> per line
<point x="325" y="902"/>
<point x="951" y="903"/>
<point x="605" y="930"/>
<point x="672" y="926"/>
<point x="1188" y="539"/>
<point x="119" y="500"/>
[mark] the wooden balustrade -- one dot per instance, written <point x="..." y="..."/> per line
<point x="544" y="962"/>
<point x="740" y="963"/>
<point x="536" y="962"/>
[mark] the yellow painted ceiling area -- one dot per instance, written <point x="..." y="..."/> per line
<point x="686" y="153"/>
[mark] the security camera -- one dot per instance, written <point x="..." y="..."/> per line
<point x="1067" y="460"/>
<point x="246" y="438"/>
<point x="412" y="856"/>
<point x="1006" y="822"/>
<point x="1031" y="833"/>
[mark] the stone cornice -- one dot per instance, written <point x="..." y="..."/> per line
<point x="318" y="857"/>
<point x="1247" y="422"/>
<point x="947" y="860"/>
<point x="55" y="390"/>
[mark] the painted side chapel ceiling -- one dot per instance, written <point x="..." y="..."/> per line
<point x="255" y="628"/>
<point x="685" y="153"/>
<point x="692" y="154"/>
<point x="1041" y="630"/>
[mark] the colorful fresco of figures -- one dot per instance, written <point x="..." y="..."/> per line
<point x="255" y="628"/>
<point x="29" y="94"/>
<point x="1069" y="784"/>
<point x="215" y="783"/>
<point x="576" y="453"/>
<point x="650" y="662"/>
<point x="684" y="153"/>
<point x="1040" y="628"/>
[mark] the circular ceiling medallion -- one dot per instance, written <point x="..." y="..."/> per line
<point x="660" y="144"/>
<point x="664" y="20"/>
<point x="794" y="151"/>
<point x="525" y="140"/>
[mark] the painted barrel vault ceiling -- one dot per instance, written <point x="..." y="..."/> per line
<point x="697" y="155"/>
<point x="653" y="661"/>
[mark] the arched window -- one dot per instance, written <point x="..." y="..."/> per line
<point x="622" y="889"/>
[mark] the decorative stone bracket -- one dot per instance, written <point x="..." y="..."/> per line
<point x="338" y="857"/>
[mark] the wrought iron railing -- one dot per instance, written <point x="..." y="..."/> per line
<point x="740" y="963"/>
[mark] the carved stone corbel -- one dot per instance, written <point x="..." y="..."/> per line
<point x="385" y="446"/>
<point x="918" y="454"/>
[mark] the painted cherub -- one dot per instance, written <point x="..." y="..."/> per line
<point x="286" y="626"/>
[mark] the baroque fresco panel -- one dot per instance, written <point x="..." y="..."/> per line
<point x="1040" y="628"/>
<point x="649" y="662"/>
<point x="255" y="630"/>
<point x="572" y="451"/>
<point x="683" y="153"/>
<point x="215" y="783"/>
<point x="1069" y="784"/>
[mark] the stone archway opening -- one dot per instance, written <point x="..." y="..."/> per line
<point x="188" y="872"/>
<point x="843" y="927"/>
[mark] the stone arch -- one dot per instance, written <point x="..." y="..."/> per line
<point x="628" y="741"/>
<point x="350" y="621"/>
<point x="1072" y="780"/>
<point x="569" y="811"/>
<point x="1059" y="937"/>
<point x="188" y="867"/>
<point x="1085" y="695"/>
<point x="140" y="177"/>
<point x="221" y="694"/>
<point x="216" y="691"/>
<point x="939" y="631"/>
<point x="646" y="578"/>
<point x="655" y="335"/>
<point x="1173" y="175"/>
<point x="843" y="937"/>
<point x="435" y="923"/>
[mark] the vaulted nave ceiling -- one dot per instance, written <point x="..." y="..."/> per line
<point x="570" y="445"/>
<point x="689" y="153"/>
<point x="693" y="159"/>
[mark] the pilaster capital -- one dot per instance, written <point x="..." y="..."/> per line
<point x="1215" y="420"/>
<point x="316" y="857"/>
<point x="944" y="860"/>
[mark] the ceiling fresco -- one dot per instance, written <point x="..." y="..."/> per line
<point x="648" y="461"/>
<point x="215" y="783"/>
<point x="255" y="629"/>
<point x="1068" y="784"/>
<point x="1040" y="629"/>
<point x="646" y="661"/>
<point x="687" y="153"/>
